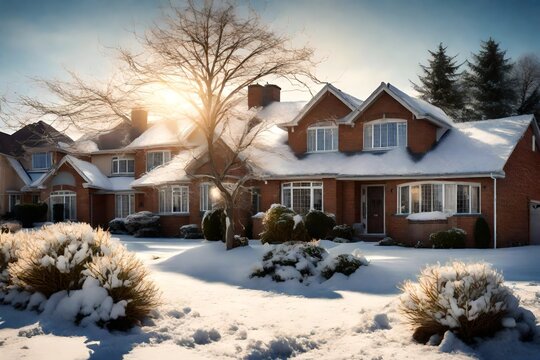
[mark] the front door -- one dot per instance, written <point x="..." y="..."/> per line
<point x="375" y="209"/>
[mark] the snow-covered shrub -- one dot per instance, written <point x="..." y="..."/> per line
<point x="213" y="225"/>
<point x="318" y="224"/>
<point x="117" y="226"/>
<point x="54" y="257"/>
<point x="291" y="261"/>
<point x="142" y="222"/>
<point x="345" y="264"/>
<point x="448" y="239"/>
<point x="342" y="231"/>
<point x="9" y="246"/>
<point x="126" y="281"/>
<point x="468" y="299"/>
<point x="281" y="225"/>
<point x="482" y="236"/>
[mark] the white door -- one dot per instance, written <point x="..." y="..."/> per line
<point x="534" y="221"/>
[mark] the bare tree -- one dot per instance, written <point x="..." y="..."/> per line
<point x="209" y="54"/>
<point x="527" y="79"/>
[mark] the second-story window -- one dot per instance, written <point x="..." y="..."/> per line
<point x="156" y="158"/>
<point x="41" y="160"/>
<point x="387" y="134"/>
<point x="322" y="138"/>
<point x="121" y="166"/>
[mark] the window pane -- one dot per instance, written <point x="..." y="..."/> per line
<point x="162" y="201"/>
<point x="335" y="139"/>
<point x="437" y="197"/>
<point x="320" y="139"/>
<point x="404" y="200"/>
<point x="131" y="204"/>
<point x="301" y="200"/>
<point x="317" y="199"/>
<point x="427" y="198"/>
<point x="377" y="135"/>
<point x="131" y="166"/>
<point x="176" y="200"/>
<point x="415" y="197"/>
<point x="384" y="135"/>
<point x="287" y="198"/>
<point x="475" y="199"/>
<point x="462" y="199"/>
<point x="122" y="166"/>
<point x="450" y="197"/>
<point x="368" y="130"/>
<point x="328" y="139"/>
<point x="311" y="140"/>
<point x="392" y="134"/>
<point x="402" y="134"/>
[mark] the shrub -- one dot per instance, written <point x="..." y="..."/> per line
<point x="56" y="256"/>
<point x="468" y="299"/>
<point x="482" y="236"/>
<point x="448" y="239"/>
<point x="281" y="225"/>
<point x="9" y="247"/>
<point x="343" y="232"/>
<point x="318" y="224"/>
<point x="213" y="225"/>
<point x="345" y="264"/>
<point x="28" y="214"/>
<point x="142" y="220"/>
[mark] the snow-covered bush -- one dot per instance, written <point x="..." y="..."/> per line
<point x="281" y="225"/>
<point x="9" y="245"/>
<point x="318" y="224"/>
<point x="126" y="280"/>
<point x="468" y="299"/>
<point x="54" y="258"/>
<point x="343" y="232"/>
<point x="448" y="239"/>
<point x="345" y="264"/>
<point x="213" y="224"/>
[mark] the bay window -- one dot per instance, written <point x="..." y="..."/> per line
<point x="174" y="199"/>
<point x="387" y="134"/>
<point x="454" y="198"/>
<point x="125" y="205"/>
<point x="322" y="138"/>
<point x="302" y="196"/>
<point x="122" y="166"/>
<point x="156" y="158"/>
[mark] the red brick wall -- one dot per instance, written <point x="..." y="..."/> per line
<point x="330" y="108"/>
<point x="514" y="192"/>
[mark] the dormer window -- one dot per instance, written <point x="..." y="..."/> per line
<point x="156" y="158"/>
<point x="121" y="166"/>
<point x="322" y="138"/>
<point x="41" y="160"/>
<point x="385" y="134"/>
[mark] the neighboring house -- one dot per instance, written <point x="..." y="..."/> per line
<point x="392" y="164"/>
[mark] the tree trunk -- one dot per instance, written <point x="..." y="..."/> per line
<point x="229" y="226"/>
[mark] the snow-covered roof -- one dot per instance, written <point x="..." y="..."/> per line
<point x="420" y="108"/>
<point x="81" y="146"/>
<point x="16" y="165"/>
<point x="171" y="172"/>
<point x="163" y="133"/>
<point x="473" y="148"/>
<point x="91" y="174"/>
<point x="349" y="100"/>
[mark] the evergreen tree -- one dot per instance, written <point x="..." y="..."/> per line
<point x="490" y="82"/>
<point x="440" y="83"/>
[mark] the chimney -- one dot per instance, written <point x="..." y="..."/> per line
<point x="139" y="119"/>
<point x="259" y="96"/>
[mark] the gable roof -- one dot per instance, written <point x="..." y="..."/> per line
<point x="40" y="134"/>
<point x="116" y="138"/>
<point x="349" y="100"/>
<point x="90" y="173"/>
<point x="164" y="133"/>
<point x="16" y="165"/>
<point x="420" y="108"/>
<point x="478" y="148"/>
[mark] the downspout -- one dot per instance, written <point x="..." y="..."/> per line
<point x="494" y="211"/>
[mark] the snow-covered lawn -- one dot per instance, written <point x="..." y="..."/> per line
<point x="212" y="309"/>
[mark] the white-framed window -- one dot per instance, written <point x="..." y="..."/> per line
<point x="174" y="199"/>
<point x="205" y="196"/>
<point x="156" y="158"/>
<point x="322" y="138"/>
<point x="385" y="134"/>
<point x="453" y="198"/>
<point x="123" y="166"/>
<point x="68" y="199"/>
<point x="41" y="160"/>
<point x="124" y="205"/>
<point x="14" y="199"/>
<point x="255" y="200"/>
<point x="302" y="196"/>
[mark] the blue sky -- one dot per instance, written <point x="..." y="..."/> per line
<point x="361" y="43"/>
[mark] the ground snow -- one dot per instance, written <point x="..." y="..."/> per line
<point x="212" y="310"/>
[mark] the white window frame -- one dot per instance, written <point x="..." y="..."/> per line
<point x="116" y="165"/>
<point x="48" y="160"/>
<point x="296" y="185"/>
<point x="312" y="131"/>
<point x="166" y="199"/>
<point x="471" y="185"/>
<point x="166" y="158"/>
<point x="371" y="124"/>
<point x="64" y="194"/>
<point x="205" y="198"/>
<point x="119" y="205"/>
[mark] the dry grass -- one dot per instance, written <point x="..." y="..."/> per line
<point x="9" y="248"/>
<point x="469" y="299"/>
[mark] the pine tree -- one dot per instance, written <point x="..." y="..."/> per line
<point x="490" y="82"/>
<point x="440" y="83"/>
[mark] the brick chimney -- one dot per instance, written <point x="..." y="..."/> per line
<point x="139" y="119"/>
<point x="260" y="96"/>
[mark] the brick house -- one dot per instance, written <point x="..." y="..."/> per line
<point x="393" y="165"/>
